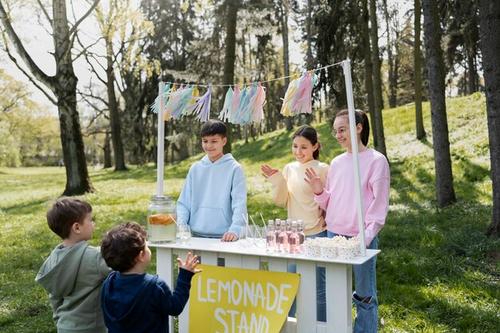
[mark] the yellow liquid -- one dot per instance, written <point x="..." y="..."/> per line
<point x="158" y="233"/>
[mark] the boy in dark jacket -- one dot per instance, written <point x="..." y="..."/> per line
<point x="133" y="301"/>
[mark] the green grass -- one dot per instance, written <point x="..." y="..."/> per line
<point x="437" y="271"/>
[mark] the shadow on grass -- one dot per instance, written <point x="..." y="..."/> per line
<point x="29" y="207"/>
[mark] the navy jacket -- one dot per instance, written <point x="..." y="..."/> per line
<point x="142" y="302"/>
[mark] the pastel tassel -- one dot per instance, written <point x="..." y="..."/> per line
<point x="244" y="101"/>
<point x="183" y="100"/>
<point x="202" y="106"/>
<point x="247" y="109"/>
<point x="226" y="109"/>
<point x="156" y="105"/>
<point x="303" y="99"/>
<point x="173" y="101"/>
<point x="257" y="109"/>
<point x="286" y="108"/>
<point x="235" y="102"/>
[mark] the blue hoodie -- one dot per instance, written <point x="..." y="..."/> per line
<point x="139" y="303"/>
<point x="214" y="198"/>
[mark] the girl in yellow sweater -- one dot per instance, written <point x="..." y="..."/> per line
<point x="293" y="192"/>
<point x="290" y="188"/>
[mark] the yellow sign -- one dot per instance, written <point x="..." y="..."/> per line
<point x="233" y="300"/>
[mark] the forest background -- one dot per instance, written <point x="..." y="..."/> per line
<point x="80" y="107"/>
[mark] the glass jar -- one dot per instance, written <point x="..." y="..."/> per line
<point x="161" y="220"/>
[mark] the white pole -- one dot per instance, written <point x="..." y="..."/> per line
<point x="160" y="143"/>
<point x="346" y="65"/>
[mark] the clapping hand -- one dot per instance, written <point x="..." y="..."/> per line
<point x="267" y="171"/>
<point x="314" y="181"/>
<point x="190" y="263"/>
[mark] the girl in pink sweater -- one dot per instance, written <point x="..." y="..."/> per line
<point x="337" y="197"/>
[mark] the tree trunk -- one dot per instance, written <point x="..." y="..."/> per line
<point x="309" y="56"/>
<point x="417" y="61"/>
<point x="114" y="113"/>
<point x="377" y="82"/>
<point x="107" y="151"/>
<point x="390" y="59"/>
<point x="435" y="69"/>
<point x="230" y="55"/>
<point x="489" y="16"/>
<point x="368" y="69"/>
<point x="286" y="64"/>
<point x="77" y="178"/>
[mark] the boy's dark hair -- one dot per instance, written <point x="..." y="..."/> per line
<point x="64" y="213"/>
<point x="310" y="134"/>
<point x="213" y="127"/>
<point x="121" y="245"/>
<point x="360" y="118"/>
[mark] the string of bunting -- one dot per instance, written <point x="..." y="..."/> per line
<point x="241" y="105"/>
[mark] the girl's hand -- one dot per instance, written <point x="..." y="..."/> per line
<point x="267" y="171"/>
<point x="314" y="181"/>
<point x="190" y="263"/>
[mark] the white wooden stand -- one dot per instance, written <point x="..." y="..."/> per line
<point x="247" y="254"/>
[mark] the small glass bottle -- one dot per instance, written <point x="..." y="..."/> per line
<point x="161" y="220"/>
<point x="293" y="239"/>
<point x="282" y="240"/>
<point x="270" y="236"/>
<point x="277" y="229"/>
<point x="302" y="235"/>
<point x="288" y="229"/>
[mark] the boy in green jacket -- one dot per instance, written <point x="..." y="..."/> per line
<point x="74" y="271"/>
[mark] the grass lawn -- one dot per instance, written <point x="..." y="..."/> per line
<point x="437" y="271"/>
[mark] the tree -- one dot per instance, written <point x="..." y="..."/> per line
<point x="230" y="53"/>
<point x="283" y="11"/>
<point x="392" y="57"/>
<point x="436" y="75"/>
<point x="109" y="25"/>
<point x="62" y="85"/>
<point x="377" y="81"/>
<point x="489" y="21"/>
<point x="417" y="61"/>
<point x="365" y="17"/>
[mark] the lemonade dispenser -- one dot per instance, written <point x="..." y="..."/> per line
<point x="161" y="220"/>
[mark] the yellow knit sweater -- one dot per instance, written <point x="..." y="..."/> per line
<point x="292" y="191"/>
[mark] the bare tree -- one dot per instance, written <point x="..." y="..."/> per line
<point x="230" y="53"/>
<point x="365" y="17"/>
<point x="377" y="81"/>
<point x="489" y="18"/>
<point x="62" y="85"/>
<point x="417" y="61"/>
<point x="284" y="12"/>
<point x="435" y="69"/>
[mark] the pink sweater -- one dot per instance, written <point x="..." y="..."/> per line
<point x="338" y="197"/>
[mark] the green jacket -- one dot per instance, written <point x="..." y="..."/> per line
<point x="73" y="277"/>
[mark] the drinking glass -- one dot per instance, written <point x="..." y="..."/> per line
<point x="183" y="234"/>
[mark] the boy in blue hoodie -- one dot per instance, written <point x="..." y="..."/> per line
<point x="213" y="200"/>
<point x="74" y="271"/>
<point x="133" y="301"/>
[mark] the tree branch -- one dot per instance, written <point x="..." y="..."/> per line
<point x="35" y="70"/>
<point x="86" y="47"/>
<point x="14" y="60"/>
<point x="77" y="23"/>
<point x="44" y="11"/>
<point x="85" y="96"/>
